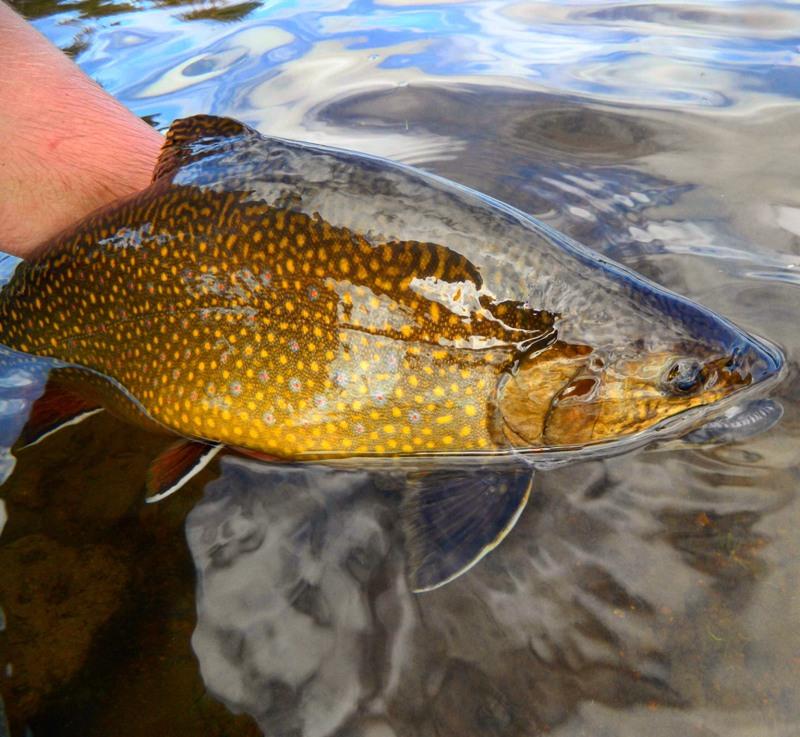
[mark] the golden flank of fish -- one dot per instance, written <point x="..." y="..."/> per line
<point x="300" y="303"/>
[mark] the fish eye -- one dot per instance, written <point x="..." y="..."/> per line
<point x="684" y="376"/>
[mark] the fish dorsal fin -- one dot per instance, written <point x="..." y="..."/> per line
<point x="451" y="519"/>
<point x="56" y="408"/>
<point x="186" y="135"/>
<point x="176" y="465"/>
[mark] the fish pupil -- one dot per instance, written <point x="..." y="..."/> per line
<point x="684" y="376"/>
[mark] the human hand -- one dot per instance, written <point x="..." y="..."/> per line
<point x="67" y="147"/>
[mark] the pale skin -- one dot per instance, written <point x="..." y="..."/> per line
<point x="67" y="146"/>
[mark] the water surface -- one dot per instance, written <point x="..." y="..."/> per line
<point x="654" y="593"/>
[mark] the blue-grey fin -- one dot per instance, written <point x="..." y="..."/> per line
<point x="740" y="422"/>
<point x="451" y="519"/>
<point x="176" y="465"/>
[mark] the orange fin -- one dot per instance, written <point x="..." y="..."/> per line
<point x="176" y="465"/>
<point x="180" y="146"/>
<point x="55" y="409"/>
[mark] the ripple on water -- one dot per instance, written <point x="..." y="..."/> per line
<point x="603" y="592"/>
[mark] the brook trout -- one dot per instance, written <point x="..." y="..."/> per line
<point x="301" y="303"/>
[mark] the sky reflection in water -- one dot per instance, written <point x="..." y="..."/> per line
<point x="648" y="594"/>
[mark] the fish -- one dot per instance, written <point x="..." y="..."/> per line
<point x="305" y="304"/>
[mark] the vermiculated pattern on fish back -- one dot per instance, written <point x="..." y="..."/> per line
<point x="272" y="329"/>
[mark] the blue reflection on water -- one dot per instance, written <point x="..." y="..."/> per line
<point x="662" y="55"/>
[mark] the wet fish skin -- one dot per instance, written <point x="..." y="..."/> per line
<point x="255" y="327"/>
<point x="236" y="301"/>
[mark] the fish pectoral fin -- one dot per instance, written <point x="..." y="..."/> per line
<point x="176" y="465"/>
<point x="180" y="147"/>
<point x="55" y="409"/>
<point x="451" y="519"/>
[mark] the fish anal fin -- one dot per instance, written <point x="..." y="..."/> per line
<point x="176" y="465"/>
<point x="452" y="519"/>
<point x="181" y="143"/>
<point x="55" y="409"/>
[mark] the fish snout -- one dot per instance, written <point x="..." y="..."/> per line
<point x="759" y="360"/>
<point x="748" y="363"/>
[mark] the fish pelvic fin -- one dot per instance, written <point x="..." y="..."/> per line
<point x="181" y="146"/>
<point x="176" y="465"/>
<point x="55" y="409"/>
<point x="452" y="519"/>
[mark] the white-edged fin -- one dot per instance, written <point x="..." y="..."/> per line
<point x="74" y="420"/>
<point x="59" y="407"/>
<point x="452" y="519"/>
<point x="176" y="465"/>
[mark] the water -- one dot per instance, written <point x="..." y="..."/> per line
<point x="654" y="593"/>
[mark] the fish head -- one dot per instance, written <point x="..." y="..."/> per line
<point x="679" y="364"/>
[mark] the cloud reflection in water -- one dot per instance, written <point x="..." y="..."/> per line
<point x="306" y="623"/>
